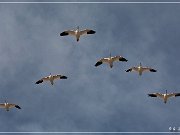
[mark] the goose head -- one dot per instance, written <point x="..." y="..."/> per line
<point x="140" y="65"/>
<point x="5" y="102"/>
<point x="77" y="28"/>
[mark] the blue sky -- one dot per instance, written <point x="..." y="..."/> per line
<point x="92" y="98"/>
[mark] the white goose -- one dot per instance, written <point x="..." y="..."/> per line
<point x="164" y="96"/>
<point x="7" y="106"/>
<point x="51" y="78"/>
<point x="77" y="33"/>
<point x="140" y="69"/>
<point x="110" y="60"/>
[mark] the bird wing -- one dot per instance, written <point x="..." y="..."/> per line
<point x="11" y="105"/>
<point x="106" y="60"/>
<point x="159" y="95"/>
<point x="39" y="81"/>
<point x="148" y="69"/>
<point x="87" y="31"/>
<point x="173" y="95"/>
<point x="17" y="106"/>
<point x="156" y="95"/>
<point x="132" y="69"/>
<point x="59" y="77"/>
<point x="14" y="105"/>
<point x="152" y="95"/>
<point x="68" y="32"/>
<point x="2" y="105"/>
<point x="177" y="94"/>
<point x="43" y="79"/>
<point x="119" y="58"/>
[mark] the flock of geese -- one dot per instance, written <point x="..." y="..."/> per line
<point x="109" y="60"/>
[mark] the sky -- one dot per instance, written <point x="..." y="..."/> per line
<point x="94" y="99"/>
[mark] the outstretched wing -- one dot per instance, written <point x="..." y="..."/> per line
<point x="59" y="77"/>
<point x="132" y="69"/>
<point x="68" y="32"/>
<point x="87" y="31"/>
<point x="101" y="61"/>
<point x="43" y="79"/>
<point x="148" y="69"/>
<point x="14" y="105"/>
<point x="155" y="95"/>
<point x="119" y="58"/>
<point x="173" y="95"/>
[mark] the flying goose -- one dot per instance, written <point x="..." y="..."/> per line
<point x="110" y="60"/>
<point x="77" y="33"/>
<point x="140" y="69"/>
<point x="7" y="106"/>
<point x="164" y="96"/>
<point x="51" y="78"/>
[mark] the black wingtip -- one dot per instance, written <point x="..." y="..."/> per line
<point x="153" y="70"/>
<point x="38" y="82"/>
<point x="152" y="95"/>
<point x="123" y="59"/>
<point x="63" y="77"/>
<point x="98" y="63"/>
<point x="178" y="94"/>
<point x="91" y="32"/>
<point x="129" y="70"/>
<point x="64" y="34"/>
<point x="17" y="106"/>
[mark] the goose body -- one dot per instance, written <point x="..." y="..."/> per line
<point x="110" y="60"/>
<point x="164" y="96"/>
<point x="140" y="69"/>
<point x="77" y="33"/>
<point x="7" y="106"/>
<point x="51" y="78"/>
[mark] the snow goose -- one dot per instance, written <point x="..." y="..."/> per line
<point x="7" y="106"/>
<point x="51" y="78"/>
<point x="140" y="69"/>
<point x="77" y="33"/>
<point x="164" y="96"/>
<point x="110" y="60"/>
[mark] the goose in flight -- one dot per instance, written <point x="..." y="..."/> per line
<point x="164" y="96"/>
<point x="51" y="78"/>
<point x="7" y="106"/>
<point x="110" y="60"/>
<point x="140" y="69"/>
<point x="77" y="33"/>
